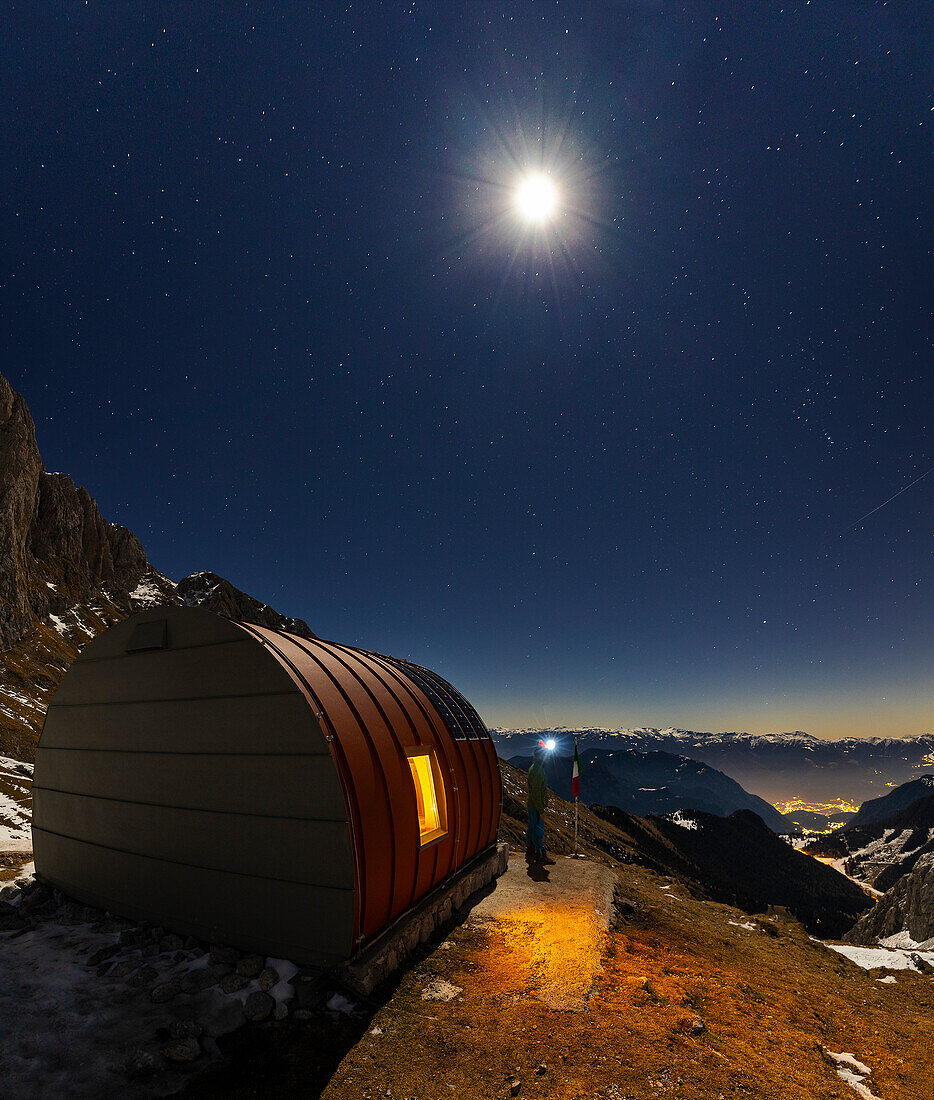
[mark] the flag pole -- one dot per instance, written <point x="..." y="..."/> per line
<point x="575" y="782"/>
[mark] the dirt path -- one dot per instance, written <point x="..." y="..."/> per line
<point x="558" y="918"/>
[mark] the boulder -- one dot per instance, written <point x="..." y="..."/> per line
<point x="268" y="978"/>
<point x="233" y="983"/>
<point x="197" y="980"/>
<point x="165" y="991"/>
<point x="182" y="1050"/>
<point x="258" y="1006"/>
<point x="251" y="966"/>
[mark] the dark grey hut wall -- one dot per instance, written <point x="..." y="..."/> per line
<point x="191" y="786"/>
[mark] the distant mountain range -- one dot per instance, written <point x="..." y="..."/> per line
<point x="644" y="783"/>
<point x="777" y="767"/>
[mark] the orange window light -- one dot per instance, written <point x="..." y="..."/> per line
<point x="425" y="776"/>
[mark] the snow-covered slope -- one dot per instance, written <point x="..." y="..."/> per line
<point x="15" y="805"/>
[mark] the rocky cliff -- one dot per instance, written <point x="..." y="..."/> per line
<point x="66" y="573"/>
<point x="56" y="549"/>
<point x="907" y="907"/>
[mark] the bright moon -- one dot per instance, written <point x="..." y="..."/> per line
<point x="536" y="198"/>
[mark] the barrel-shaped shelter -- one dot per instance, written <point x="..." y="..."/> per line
<point x="251" y="787"/>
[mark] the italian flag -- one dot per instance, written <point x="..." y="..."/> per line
<point x="576" y="773"/>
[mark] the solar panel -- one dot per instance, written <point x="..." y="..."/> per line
<point x="461" y="720"/>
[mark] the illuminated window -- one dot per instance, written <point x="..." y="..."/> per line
<point x="432" y="820"/>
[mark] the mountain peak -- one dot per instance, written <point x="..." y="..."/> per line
<point x="215" y="593"/>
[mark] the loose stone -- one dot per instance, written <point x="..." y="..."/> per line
<point x="127" y="966"/>
<point x="182" y="1050"/>
<point x="196" y="980"/>
<point x="102" y="953"/>
<point x="251" y="966"/>
<point x="185" y="1029"/>
<point x="268" y="978"/>
<point x="228" y="955"/>
<point x="165" y="991"/>
<point x="144" y="976"/>
<point x="140" y="1064"/>
<point x="258" y="1006"/>
<point x="232" y="983"/>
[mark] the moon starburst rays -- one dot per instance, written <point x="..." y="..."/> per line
<point x="536" y="198"/>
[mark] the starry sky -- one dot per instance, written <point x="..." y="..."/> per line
<point x="266" y="292"/>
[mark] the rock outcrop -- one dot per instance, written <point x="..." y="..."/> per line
<point x="21" y="468"/>
<point x="56" y="549"/>
<point x="907" y="907"/>
<point x="213" y="593"/>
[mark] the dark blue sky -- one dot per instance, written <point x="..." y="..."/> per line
<point x="267" y="298"/>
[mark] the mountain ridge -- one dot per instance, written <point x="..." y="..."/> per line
<point x="781" y="768"/>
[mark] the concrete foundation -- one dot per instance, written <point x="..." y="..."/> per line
<point x="383" y="956"/>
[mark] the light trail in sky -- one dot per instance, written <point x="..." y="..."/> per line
<point x="904" y="489"/>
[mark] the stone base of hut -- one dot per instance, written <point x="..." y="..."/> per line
<point x="381" y="958"/>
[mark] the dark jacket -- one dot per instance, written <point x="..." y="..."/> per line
<point x="538" y="786"/>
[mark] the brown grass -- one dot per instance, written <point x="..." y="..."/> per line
<point x="767" y="1004"/>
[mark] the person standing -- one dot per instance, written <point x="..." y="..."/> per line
<point x="538" y="800"/>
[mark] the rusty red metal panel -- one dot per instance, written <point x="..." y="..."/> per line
<point x="372" y="712"/>
<point x="414" y="728"/>
<point x="391" y="732"/>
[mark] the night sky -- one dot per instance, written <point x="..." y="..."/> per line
<point x="267" y="294"/>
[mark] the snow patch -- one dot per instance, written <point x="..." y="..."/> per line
<point x="853" y="1072"/>
<point x="15" y="829"/>
<point x="147" y="594"/>
<point x="903" y="941"/>
<point x="871" y="957"/>
<point x="22" y="767"/>
<point x="678" y="818"/>
<point x="59" y="624"/>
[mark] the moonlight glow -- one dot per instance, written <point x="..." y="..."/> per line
<point x="536" y="198"/>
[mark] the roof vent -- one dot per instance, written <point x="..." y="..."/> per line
<point x="151" y="635"/>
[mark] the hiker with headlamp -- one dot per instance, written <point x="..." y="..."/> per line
<point x="538" y="800"/>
